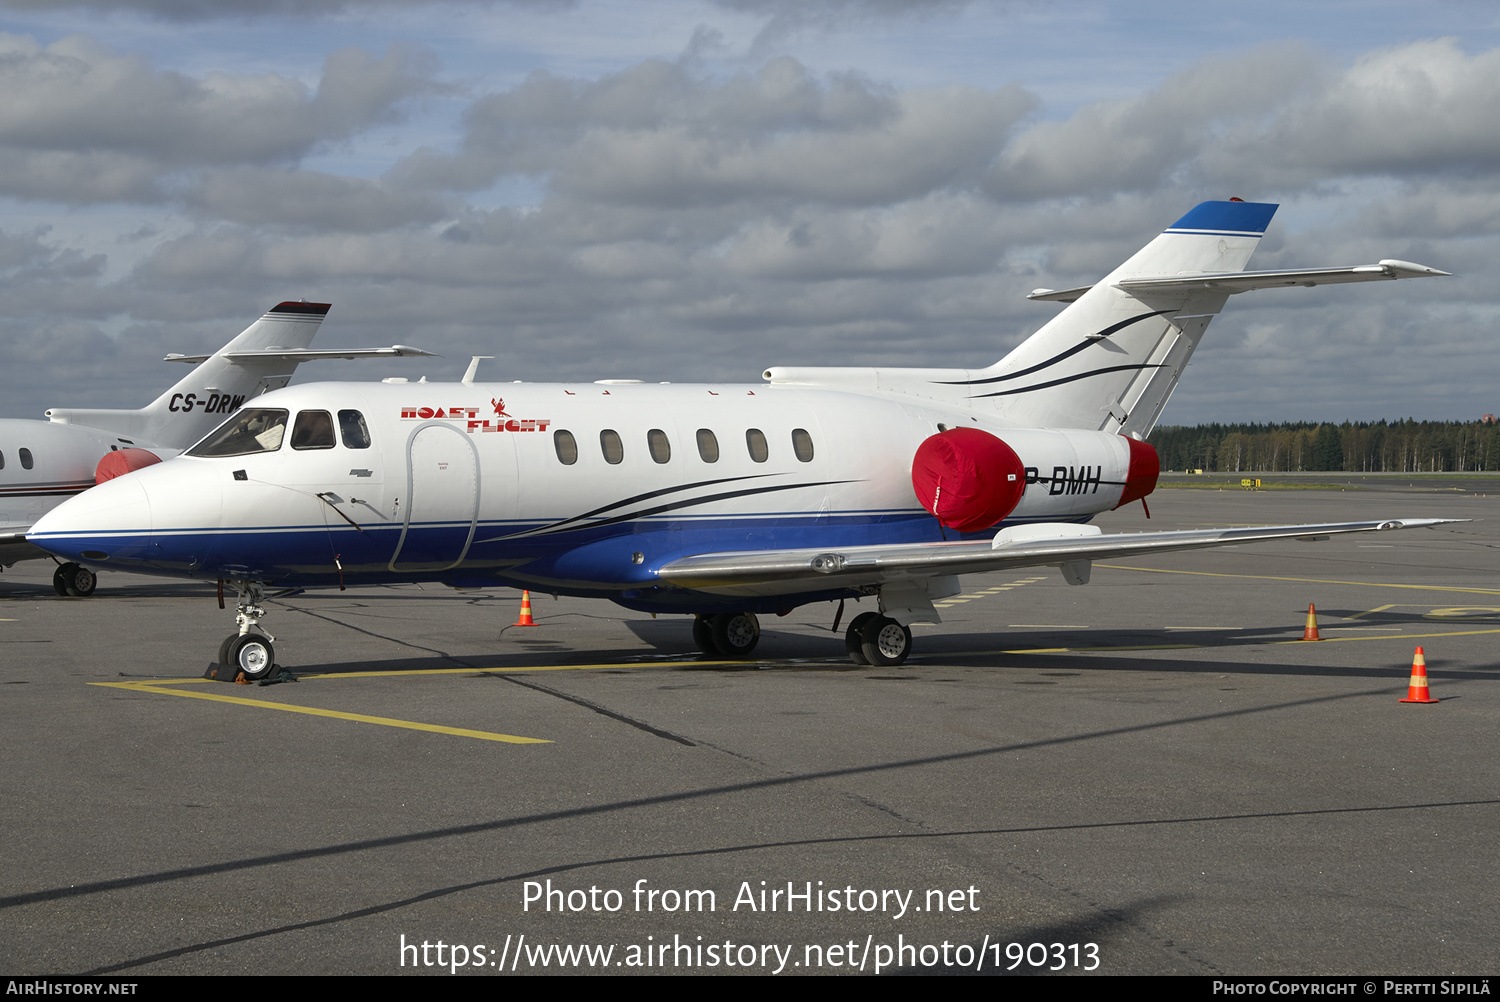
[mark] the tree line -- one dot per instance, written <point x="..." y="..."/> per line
<point x="1360" y="447"/>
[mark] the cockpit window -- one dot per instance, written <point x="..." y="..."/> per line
<point x="248" y="432"/>
<point x="313" y="430"/>
<point x="355" y="432"/>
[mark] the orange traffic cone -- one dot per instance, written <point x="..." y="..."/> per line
<point x="525" y="619"/>
<point x="1310" y="631"/>
<point x="1417" y="692"/>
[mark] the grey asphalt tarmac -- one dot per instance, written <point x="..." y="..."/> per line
<point x="1150" y="774"/>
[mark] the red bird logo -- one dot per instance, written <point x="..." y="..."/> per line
<point x="499" y="406"/>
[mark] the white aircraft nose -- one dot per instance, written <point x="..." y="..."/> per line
<point x="110" y="521"/>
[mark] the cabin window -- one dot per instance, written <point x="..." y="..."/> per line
<point x="355" y="432"/>
<point x="259" y="429"/>
<point x="566" y="446"/>
<point x="25" y="459"/>
<point x="2" y="460"/>
<point x="611" y="446"/>
<point x="313" y="430"/>
<point x="802" y="445"/>
<point x="708" y="446"/>
<point x="661" y="449"/>
<point x="755" y="441"/>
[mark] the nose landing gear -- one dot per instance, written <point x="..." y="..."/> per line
<point x="249" y="651"/>
<point x="75" y="580"/>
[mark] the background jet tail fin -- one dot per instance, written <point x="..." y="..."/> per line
<point x="216" y="387"/>
<point x="1110" y="360"/>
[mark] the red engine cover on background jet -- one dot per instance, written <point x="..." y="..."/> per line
<point x="117" y="464"/>
<point x="968" y="478"/>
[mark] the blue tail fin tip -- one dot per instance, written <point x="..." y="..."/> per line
<point x="1226" y="217"/>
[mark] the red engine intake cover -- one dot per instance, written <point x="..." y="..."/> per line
<point x="117" y="464"/>
<point x="968" y="478"/>
<point x="1145" y="467"/>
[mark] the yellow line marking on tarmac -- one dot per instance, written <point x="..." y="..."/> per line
<point x="462" y="732"/>
<point x="1185" y="647"/>
<point x="1269" y="577"/>
<point x="1047" y="626"/>
<point x="1378" y="608"/>
<point x="1389" y="636"/>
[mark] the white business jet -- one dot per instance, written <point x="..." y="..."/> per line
<point x="43" y="463"/>
<point x="725" y="501"/>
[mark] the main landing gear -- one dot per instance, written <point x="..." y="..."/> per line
<point x="727" y="634"/>
<point x="75" y="580"/>
<point x="249" y="651"/>
<point x="873" y="639"/>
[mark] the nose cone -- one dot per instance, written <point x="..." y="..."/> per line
<point x="106" y="524"/>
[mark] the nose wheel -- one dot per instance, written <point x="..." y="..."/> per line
<point x="250" y="651"/>
<point x="75" y="580"/>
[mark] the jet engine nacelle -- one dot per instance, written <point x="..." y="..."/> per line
<point x="121" y="462"/>
<point x="968" y="478"/>
<point x="971" y="479"/>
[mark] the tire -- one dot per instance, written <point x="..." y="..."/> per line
<point x="253" y="655"/>
<point x="736" y="633"/>
<point x="853" y="639"/>
<point x="886" y="643"/>
<point x="224" y="648"/>
<point x="60" y="579"/>
<point x="703" y="636"/>
<point x="82" y="582"/>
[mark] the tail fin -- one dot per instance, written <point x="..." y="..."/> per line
<point x="1112" y="358"/>
<point x="216" y="387"/>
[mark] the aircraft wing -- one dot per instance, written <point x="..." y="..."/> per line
<point x="1245" y="281"/>
<point x="1061" y="544"/>
<point x="13" y="545"/>
<point x="308" y="354"/>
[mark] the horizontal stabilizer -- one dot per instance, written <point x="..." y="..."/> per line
<point x="307" y="354"/>
<point x="873" y="565"/>
<point x="1246" y="281"/>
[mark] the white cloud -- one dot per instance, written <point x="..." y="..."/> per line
<point x="82" y="123"/>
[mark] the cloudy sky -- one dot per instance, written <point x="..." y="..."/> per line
<point x="697" y="189"/>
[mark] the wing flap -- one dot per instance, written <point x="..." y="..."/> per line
<point x="855" y="566"/>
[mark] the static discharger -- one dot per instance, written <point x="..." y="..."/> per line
<point x="525" y="619"/>
<point x="1310" y="631"/>
<point x="1417" y="691"/>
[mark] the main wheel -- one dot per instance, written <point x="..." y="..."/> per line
<point x="736" y="633"/>
<point x="60" y="579"/>
<point x="703" y="636"/>
<point x="82" y="582"/>
<point x="886" y="642"/>
<point x="853" y="639"/>
<point x="253" y="655"/>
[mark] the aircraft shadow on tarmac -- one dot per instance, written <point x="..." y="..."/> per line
<point x="962" y="654"/>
